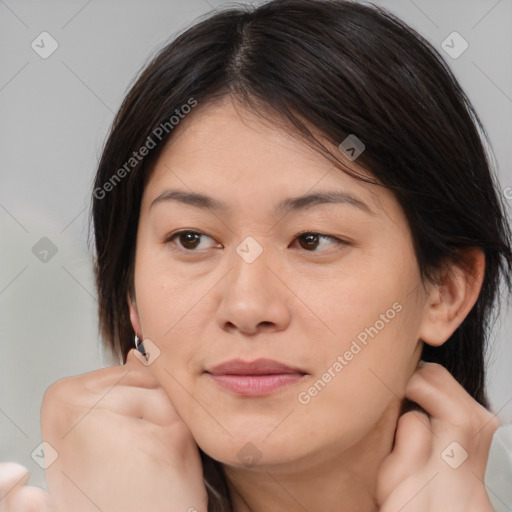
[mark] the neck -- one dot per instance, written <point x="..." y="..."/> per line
<point x="335" y="481"/>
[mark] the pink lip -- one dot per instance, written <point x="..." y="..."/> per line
<point x="254" y="378"/>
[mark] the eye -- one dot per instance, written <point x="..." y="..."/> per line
<point x="189" y="240"/>
<point x="311" y="240"/>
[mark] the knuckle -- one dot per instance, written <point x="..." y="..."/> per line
<point x="59" y="405"/>
<point x="56" y="393"/>
<point x="495" y="422"/>
<point x="30" y="499"/>
<point x="433" y="371"/>
<point x="489" y="424"/>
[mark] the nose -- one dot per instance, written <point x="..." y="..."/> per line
<point x="254" y="297"/>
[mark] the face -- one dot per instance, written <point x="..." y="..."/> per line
<point x="338" y="309"/>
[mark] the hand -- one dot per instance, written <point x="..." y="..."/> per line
<point x="121" y="444"/>
<point x="425" y="472"/>
<point x="15" y="495"/>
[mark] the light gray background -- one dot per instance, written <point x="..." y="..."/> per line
<point x="54" y="116"/>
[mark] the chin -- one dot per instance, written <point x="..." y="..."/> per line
<point x="251" y="446"/>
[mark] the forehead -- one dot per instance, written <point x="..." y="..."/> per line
<point x="226" y="151"/>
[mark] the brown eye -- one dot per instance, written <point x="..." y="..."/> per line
<point x="188" y="240"/>
<point x="310" y="240"/>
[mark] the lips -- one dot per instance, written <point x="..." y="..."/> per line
<point x="257" y="367"/>
<point x="254" y="378"/>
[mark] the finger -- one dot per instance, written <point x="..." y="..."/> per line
<point x="89" y="388"/>
<point x="12" y="477"/>
<point x="437" y="391"/>
<point x="140" y="394"/>
<point x="132" y="373"/>
<point x="30" y="499"/>
<point x="158" y="408"/>
<point x="456" y="418"/>
<point x="149" y="400"/>
<point x="411" y="451"/>
<point x="413" y="438"/>
<point x="152" y="405"/>
<point x="130" y="390"/>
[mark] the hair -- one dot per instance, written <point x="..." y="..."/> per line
<point x="333" y="67"/>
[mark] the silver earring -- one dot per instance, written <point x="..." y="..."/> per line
<point x="139" y="346"/>
<point x="137" y="342"/>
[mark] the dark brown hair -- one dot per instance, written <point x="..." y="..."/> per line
<point x="342" y="68"/>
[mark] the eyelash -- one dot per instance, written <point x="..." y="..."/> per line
<point x="170" y="238"/>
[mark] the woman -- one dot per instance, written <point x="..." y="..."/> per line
<point x="293" y="208"/>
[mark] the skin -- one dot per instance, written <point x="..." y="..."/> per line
<point x="201" y="304"/>
<point x="344" y="449"/>
<point x="121" y="445"/>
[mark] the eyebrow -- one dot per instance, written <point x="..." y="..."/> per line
<point x="290" y="204"/>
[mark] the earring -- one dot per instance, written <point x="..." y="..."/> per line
<point x="139" y="346"/>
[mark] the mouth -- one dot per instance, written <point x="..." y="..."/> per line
<point x="254" y="378"/>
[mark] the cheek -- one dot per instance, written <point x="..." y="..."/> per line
<point x="367" y="320"/>
<point x="363" y="372"/>
<point x="335" y="409"/>
<point x="363" y="316"/>
<point x="169" y="303"/>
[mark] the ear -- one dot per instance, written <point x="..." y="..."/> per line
<point x="452" y="298"/>
<point x="134" y="316"/>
